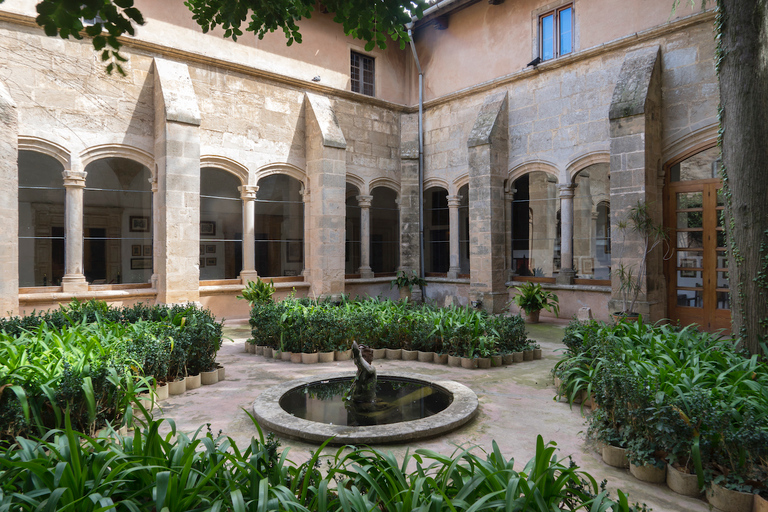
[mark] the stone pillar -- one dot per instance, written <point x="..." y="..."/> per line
<point x="508" y="198"/>
<point x="327" y="172"/>
<point x="453" y="236"/>
<point x="488" y="151"/>
<point x="365" y="236"/>
<point x="9" y="204"/>
<point x="73" y="280"/>
<point x="567" y="272"/>
<point x="635" y="128"/>
<point x="307" y="199"/>
<point x="410" y="248"/>
<point x="248" y="195"/>
<point x="177" y="205"/>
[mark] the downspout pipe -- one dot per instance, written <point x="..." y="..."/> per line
<point x="409" y="26"/>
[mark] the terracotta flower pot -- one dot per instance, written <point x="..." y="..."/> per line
<point x="761" y="504"/>
<point x="507" y="359"/>
<point x="295" y="357"/>
<point x="248" y="347"/>
<point x="496" y="361"/>
<point x="379" y="353"/>
<point x="177" y="387"/>
<point x="686" y="484"/>
<point x="276" y="354"/>
<point x="325" y="357"/>
<point x="208" y="378"/>
<point x="343" y="355"/>
<point x="410" y="355"/>
<point x="394" y="353"/>
<point x="517" y="357"/>
<point x="258" y="350"/>
<point x="532" y="317"/>
<point x="454" y="361"/>
<point x="286" y="356"/>
<point x="267" y="352"/>
<point x="193" y="381"/>
<point x="527" y="355"/>
<point x="728" y="500"/>
<point x="425" y="357"/>
<point x="221" y="371"/>
<point x="469" y="363"/>
<point x="484" y="362"/>
<point x="537" y="353"/>
<point x="440" y="359"/>
<point x="615" y="456"/>
<point x="648" y="473"/>
<point x="310" y="358"/>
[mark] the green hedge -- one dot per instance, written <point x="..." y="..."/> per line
<point x="92" y="359"/>
<point x="673" y="395"/>
<point x="303" y="325"/>
<point x="149" y="471"/>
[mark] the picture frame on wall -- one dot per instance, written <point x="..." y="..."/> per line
<point x="685" y="264"/>
<point x="210" y="249"/>
<point x="138" y="224"/>
<point x="147" y="250"/>
<point x="210" y="262"/>
<point x="141" y="263"/>
<point x="294" y="251"/>
<point x="135" y="250"/>
<point x="207" y="228"/>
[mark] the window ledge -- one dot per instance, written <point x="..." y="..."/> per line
<point x="373" y="280"/>
<point x="574" y="287"/>
<point x="448" y="280"/>
<point x="132" y="293"/>
<point x="223" y="289"/>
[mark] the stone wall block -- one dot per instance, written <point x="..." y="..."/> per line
<point x="9" y="201"/>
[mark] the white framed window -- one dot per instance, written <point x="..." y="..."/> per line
<point x="556" y="32"/>
<point x="363" y="73"/>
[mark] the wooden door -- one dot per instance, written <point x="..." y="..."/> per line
<point x="697" y="273"/>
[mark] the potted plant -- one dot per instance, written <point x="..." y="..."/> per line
<point x="407" y="280"/>
<point x="631" y="277"/>
<point x="532" y="298"/>
<point x="258" y="292"/>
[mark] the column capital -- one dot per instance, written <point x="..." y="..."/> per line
<point x="454" y="201"/>
<point x="364" y="201"/>
<point x="248" y="192"/>
<point x="566" y="191"/>
<point x="74" y="179"/>
<point x="305" y="195"/>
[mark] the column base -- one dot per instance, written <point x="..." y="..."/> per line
<point x="74" y="283"/>
<point x="365" y="272"/>
<point x="453" y="273"/>
<point x="491" y="302"/>
<point x="248" y="275"/>
<point x="566" y="276"/>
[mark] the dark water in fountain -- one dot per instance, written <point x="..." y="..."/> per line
<point x="397" y="400"/>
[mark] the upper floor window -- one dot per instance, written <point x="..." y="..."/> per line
<point x="556" y="33"/>
<point x="363" y="74"/>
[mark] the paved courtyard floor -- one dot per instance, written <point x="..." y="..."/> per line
<point x="516" y="404"/>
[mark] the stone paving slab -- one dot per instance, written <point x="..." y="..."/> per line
<point x="516" y="404"/>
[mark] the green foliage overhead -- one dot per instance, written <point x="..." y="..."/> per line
<point x="374" y="22"/>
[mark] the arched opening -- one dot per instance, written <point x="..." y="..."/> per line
<point x="436" y="231"/>
<point x="117" y="222"/>
<point x="591" y="223"/>
<point x="279" y="226"/>
<point x="385" y="231"/>
<point x="221" y="225"/>
<point x="352" y="232"/>
<point x="41" y="220"/>
<point x="535" y="238"/>
<point x="464" y="231"/>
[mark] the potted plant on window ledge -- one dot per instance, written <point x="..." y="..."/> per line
<point x="651" y="234"/>
<point x="405" y="281"/>
<point x="532" y="298"/>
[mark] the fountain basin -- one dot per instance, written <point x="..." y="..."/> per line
<point x="271" y="416"/>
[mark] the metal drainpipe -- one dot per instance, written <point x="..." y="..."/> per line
<point x="421" y="154"/>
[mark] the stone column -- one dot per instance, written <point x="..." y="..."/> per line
<point x="177" y="206"/>
<point x="508" y="198"/>
<point x="9" y="204"/>
<point x="635" y="128"/>
<point x="567" y="273"/>
<point x="248" y="195"/>
<point x="307" y="199"/>
<point x="73" y="280"/>
<point x="365" y="236"/>
<point x="453" y="236"/>
<point x="488" y="158"/>
<point x="410" y="248"/>
<point x="327" y="172"/>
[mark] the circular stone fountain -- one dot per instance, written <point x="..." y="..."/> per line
<point x="408" y="407"/>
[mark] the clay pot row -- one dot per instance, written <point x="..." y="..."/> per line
<point x="388" y="353"/>
<point x="685" y="483"/>
<point x="189" y="383"/>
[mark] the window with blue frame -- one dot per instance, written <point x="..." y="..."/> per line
<point x="556" y="33"/>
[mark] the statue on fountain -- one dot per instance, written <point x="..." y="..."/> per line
<point x="364" y="386"/>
